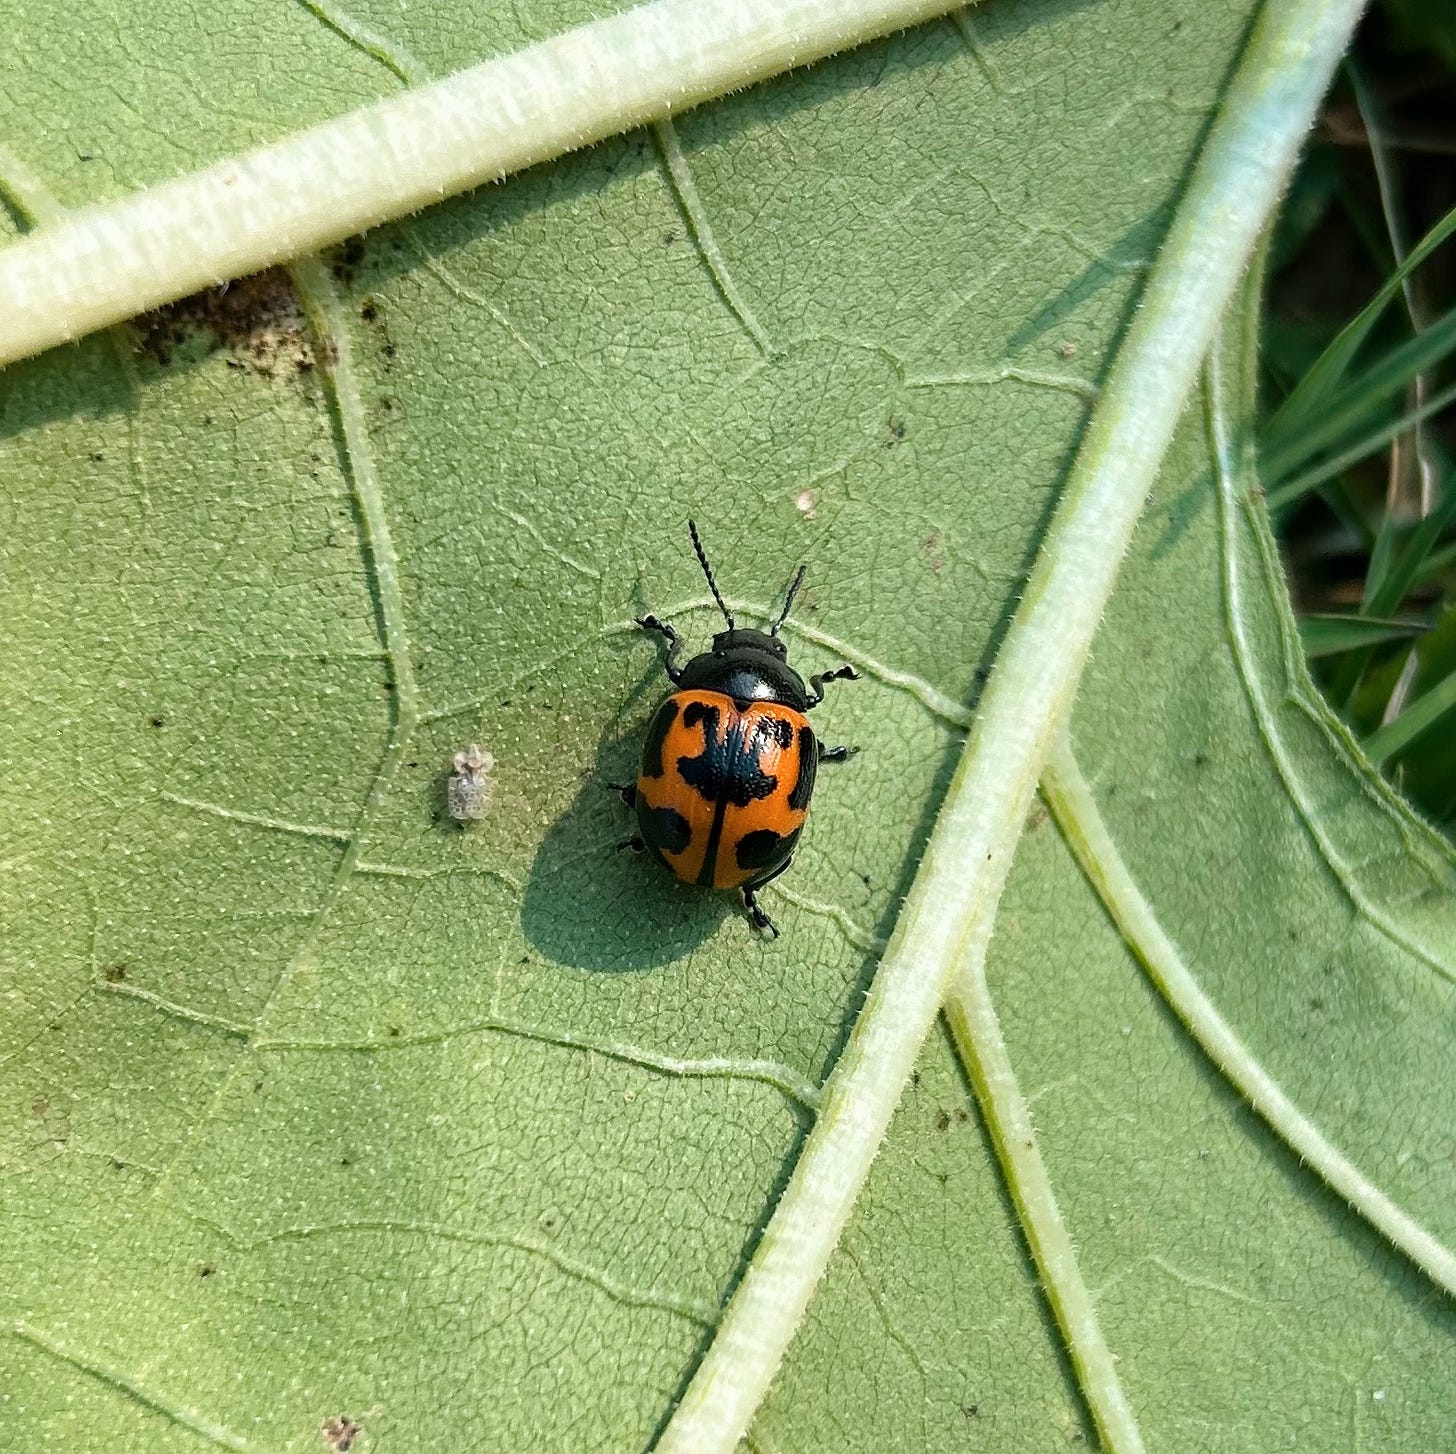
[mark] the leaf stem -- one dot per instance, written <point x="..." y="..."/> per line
<point x="977" y="1033"/>
<point x="1075" y="810"/>
<point x="946" y="923"/>
<point x="403" y="153"/>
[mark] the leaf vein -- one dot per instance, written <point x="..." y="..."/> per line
<point x="791" y="1083"/>
<point x="1075" y="811"/>
<point x="1221" y="448"/>
<point x="619" y="1290"/>
<point x="132" y="1388"/>
<point x="695" y="216"/>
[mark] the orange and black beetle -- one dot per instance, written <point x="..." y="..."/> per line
<point x="729" y="762"/>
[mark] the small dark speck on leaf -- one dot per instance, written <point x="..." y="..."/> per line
<point x="346" y="258"/>
<point x="114" y="973"/>
<point x="339" y="1433"/>
<point x="369" y="310"/>
<point x="395" y="1030"/>
<point x="1200" y="759"/>
<point x="158" y="721"/>
<point x="971" y="1411"/>
<point x="97" y="456"/>
<point x="915" y="1080"/>
<point x="257" y="1085"/>
<point x="205" y="1269"/>
<point x="942" y="1120"/>
<point x="390" y="350"/>
<point x="344" y="1161"/>
<point x="896" y="428"/>
<point x="669" y="238"/>
<point x="39" y="1106"/>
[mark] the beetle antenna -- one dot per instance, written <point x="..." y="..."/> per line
<point x="708" y="571"/>
<point x="794" y="585"/>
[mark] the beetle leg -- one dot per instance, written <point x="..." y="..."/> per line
<point x="674" y="644"/>
<point x="756" y="915"/>
<point x="836" y="754"/>
<point x="750" y="902"/>
<point x="839" y="674"/>
<point x="627" y="792"/>
<point x="634" y="844"/>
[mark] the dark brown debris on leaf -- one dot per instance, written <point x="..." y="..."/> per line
<point x="259" y="321"/>
<point x="339" y="1433"/>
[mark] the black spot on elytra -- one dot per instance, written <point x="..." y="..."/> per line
<point x="728" y="768"/>
<point x="763" y="848"/>
<point x="808" y="766"/>
<point x="664" y="829"/>
<point x="656" y="736"/>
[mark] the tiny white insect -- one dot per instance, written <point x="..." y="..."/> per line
<point x="470" y="789"/>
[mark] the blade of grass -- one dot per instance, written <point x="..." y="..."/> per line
<point x="1324" y="375"/>
<point x="1387" y="588"/>
<point x="1394" y="569"/>
<point x="1283" y="450"/>
<point x="1438" y="561"/>
<point x="1330" y="635"/>
<point x="1417" y="719"/>
<point x="1291" y="490"/>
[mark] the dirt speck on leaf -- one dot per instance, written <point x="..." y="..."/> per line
<point x="258" y="320"/>
<point x="339" y="1433"/>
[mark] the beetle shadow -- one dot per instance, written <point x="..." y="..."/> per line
<point x="590" y="906"/>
